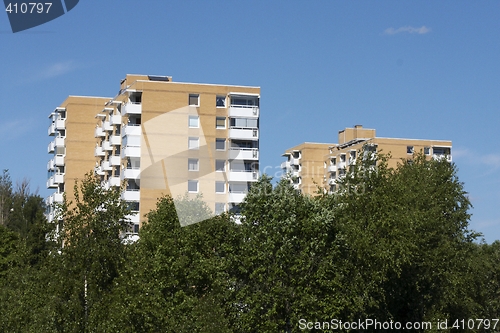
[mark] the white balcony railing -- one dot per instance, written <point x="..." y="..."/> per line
<point x="243" y="176"/>
<point x="52" y="129"/>
<point x="244" y="112"/>
<point x="130" y="195"/>
<point x="131" y="174"/>
<point x="131" y="152"/>
<point x="116" y="119"/>
<point x="236" y="197"/>
<point x="99" y="151"/>
<point x="59" y="160"/>
<point x="332" y="168"/>
<point x="59" y="141"/>
<point x="131" y="130"/>
<point x="115" y="140"/>
<point x="294" y="161"/>
<point x="106" y="145"/>
<point x="105" y="166"/>
<point x="244" y="133"/>
<point x="243" y="154"/>
<point x="115" y="160"/>
<point x="341" y="165"/>
<point x="51" y="147"/>
<point x="99" y="132"/>
<point x="60" y="124"/>
<point x="106" y="126"/>
<point x="50" y="165"/>
<point x="131" y="108"/>
<point x="114" y="181"/>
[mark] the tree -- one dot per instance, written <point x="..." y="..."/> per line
<point x="5" y="196"/>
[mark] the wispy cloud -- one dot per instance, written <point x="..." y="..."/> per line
<point x="13" y="129"/>
<point x="408" y="29"/>
<point x="50" y="71"/>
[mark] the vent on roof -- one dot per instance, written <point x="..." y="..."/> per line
<point x="159" y="78"/>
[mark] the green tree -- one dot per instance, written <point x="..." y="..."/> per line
<point x="5" y="196"/>
<point x="177" y="279"/>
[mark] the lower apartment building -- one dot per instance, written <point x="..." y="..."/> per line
<point x="303" y="166"/>
<point x="160" y="137"/>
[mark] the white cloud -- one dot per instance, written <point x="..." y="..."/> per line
<point x="422" y="30"/>
<point x="56" y="69"/>
<point x="13" y="129"/>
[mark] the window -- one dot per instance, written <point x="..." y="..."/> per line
<point x="194" y="99"/>
<point x="220" y="187"/>
<point x="193" y="186"/>
<point x="220" y="144"/>
<point x="409" y="149"/>
<point x="193" y="164"/>
<point x="220" y="165"/>
<point x="220" y="122"/>
<point x="220" y="208"/>
<point x="220" y="101"/>
<point x="193" y="143"/>
<point x="244" y="122"/>
<point x="427" y="150"/>
<point x="245" y="101"/>
<point x="194" y="121"/>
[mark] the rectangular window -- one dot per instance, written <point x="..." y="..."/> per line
<point x="220" y="208"/>
<point x="194" y="121"/>
<point x="244" y="101"/>
<point x="220" y="122"/>
<point x="193" y="164"/>
<point x="427" y="150"/>
<point x="220" y="165"/>
<point x="244" y="122"/>
<point x="220" y="187"/>
<point x="409" y="149"/>
<point x="193" y="186"/>
<point x="220" y="144"/>
<point x="193" y="143"/>
<point x="220" y="101"/>
<point x="194" y="99"/>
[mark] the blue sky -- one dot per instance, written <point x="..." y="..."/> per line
<point x="420" y="69"/>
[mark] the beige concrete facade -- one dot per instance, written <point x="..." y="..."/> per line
<point x="72" y="149"/>
<point x="159" y="137"/>
<point x="336" y="158"/>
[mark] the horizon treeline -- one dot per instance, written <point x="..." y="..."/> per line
<point x="389" y="245"/>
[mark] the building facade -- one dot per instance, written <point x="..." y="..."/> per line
<point x="158" y="137"/>
<point x="336" y="158"/>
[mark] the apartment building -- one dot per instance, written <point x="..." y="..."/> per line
<point x="72" y="146"/>
<point x="161" y="137"/>
<point x="352" y="142"/>
<point x="305" y="166"/>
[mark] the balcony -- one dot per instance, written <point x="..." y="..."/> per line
<point x="243" y="154"/>
<point x="285" y="165"/>
<point x="56" y="198"/>
<point x="131" y="152"/>
<point x="131" y="108"/>
<point x="243" y="176"/>
<point x="51" y="165"/>
<point x="106" y="126"/>
<point x="295" y="173"/>
<point x="236" y="197"/>
<point x="99" y="151"/>
<point x="294" y="161"/>
<point x="115" y="160"/>
<point x="244" y="133"/>
<point x="244" y="111"/>
<point x="332" y="168"/>
<point x="60" y="124"/>
<point x="114" y="181"/>
<point x="131" y="174"/>
<point x="116" y="119"/>
<point x="441" y="157"/>
<point x="341" y="165"/>
<point x="99" y="132"/>
<point x="51" y="147"/>
<point x="131" y="195"/>
<point x="55" y="180"/>
<point x="105" y="166"/>
<point x="332" y="181"/>
<point x="133" y="218"/>
<point x="115" y="140"/>
<point x="59" y="160"/>
<point x="59" y="141"/>
<point x="52" y="129"/>
<point x="98" y="171"/>
<point x="131" y="130"/>
<point x="106" y="145"/>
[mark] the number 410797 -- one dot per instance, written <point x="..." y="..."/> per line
<point x="28" y="7"/>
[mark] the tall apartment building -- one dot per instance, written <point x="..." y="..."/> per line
<point x="351" y="142"/>
<point x="162" y="137"/>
